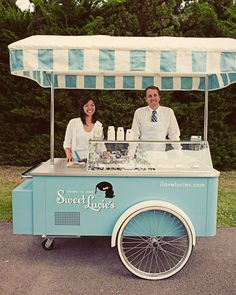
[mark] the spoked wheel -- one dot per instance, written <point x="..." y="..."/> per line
<point x="154" y="243"/>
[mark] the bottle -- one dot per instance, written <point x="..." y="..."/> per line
<point x="129" y="134"/>
<point x="120" y="133"/>
<point x="98" y="133"/>
<point x="111" y="133"/>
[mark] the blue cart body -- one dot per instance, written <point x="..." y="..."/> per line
<point x="71" y="205"/>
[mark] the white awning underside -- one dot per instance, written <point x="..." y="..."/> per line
<point x="105" y="62"/>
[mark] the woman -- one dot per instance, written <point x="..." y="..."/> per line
<point x="80" y="130"/>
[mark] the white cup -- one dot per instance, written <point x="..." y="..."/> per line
<point x="111" y="135"/>
<point x="129" y="134"/>
<point x="120" y="135"/>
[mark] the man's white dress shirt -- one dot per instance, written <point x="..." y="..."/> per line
<point x="165" y="127"/>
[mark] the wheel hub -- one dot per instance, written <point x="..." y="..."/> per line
<point x="154" y="242"/>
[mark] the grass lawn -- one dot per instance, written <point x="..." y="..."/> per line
<point x="10" y="178"/>
<point x="226" y="215"/>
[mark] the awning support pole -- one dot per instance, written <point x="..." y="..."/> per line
<point x="52" y="121"/>
<point x="206" y="107"/>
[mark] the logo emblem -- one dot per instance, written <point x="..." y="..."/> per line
<point x="107" y="188"/>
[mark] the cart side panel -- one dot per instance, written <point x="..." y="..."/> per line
<point x="75" y="207"/>
<point x="22" y="208"/>
<point x="39" y="207"/>
<point x="78" y="205"/>
<point x="211" y="213"/>
<point x="190" y="195"/>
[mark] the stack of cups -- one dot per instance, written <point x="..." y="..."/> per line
<point x="129" y="134"/>
<point x="120" y="133"/>
<point x="111" y="133"/>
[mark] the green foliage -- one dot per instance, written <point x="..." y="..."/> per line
<point x="24" y="116"/>
<point x="200" y="20"/>
<point x="228" y="24"/>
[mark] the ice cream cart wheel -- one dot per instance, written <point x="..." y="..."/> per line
<point x="155" y="243"/>
<point x="48" y="244"/>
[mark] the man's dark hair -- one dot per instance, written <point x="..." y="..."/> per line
<point x="151" y="87"/>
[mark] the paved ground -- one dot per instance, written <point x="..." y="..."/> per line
<point x="89" y="266"/>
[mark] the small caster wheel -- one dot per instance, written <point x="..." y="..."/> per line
<point x="48" y="244"/>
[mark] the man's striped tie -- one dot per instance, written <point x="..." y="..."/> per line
<point x="154" y="116"/>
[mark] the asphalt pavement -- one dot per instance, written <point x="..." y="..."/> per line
<point x="88" y="265"/>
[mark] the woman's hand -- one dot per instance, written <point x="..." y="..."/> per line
<point x="69" y="158"/>
<point x="69" y="155"/>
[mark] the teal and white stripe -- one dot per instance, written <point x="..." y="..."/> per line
<point x="103" y="62"/>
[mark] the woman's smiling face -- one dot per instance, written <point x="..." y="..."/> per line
<point x="89" y="108"/>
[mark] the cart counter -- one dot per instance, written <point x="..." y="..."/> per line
<point x="135" y="158"/>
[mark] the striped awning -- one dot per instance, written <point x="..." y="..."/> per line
<point x="105" y="62"/>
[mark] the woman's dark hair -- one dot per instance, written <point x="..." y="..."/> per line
<point x="82" y="114"/>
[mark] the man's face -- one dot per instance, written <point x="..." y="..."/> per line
<point x="152" y="98"/>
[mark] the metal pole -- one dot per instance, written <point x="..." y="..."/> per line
<point x="206" y="107"/>
<point x="52" y="121"/>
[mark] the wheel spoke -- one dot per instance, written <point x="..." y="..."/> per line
<point x="139" y="252"/>
<point x="141" y="260"/>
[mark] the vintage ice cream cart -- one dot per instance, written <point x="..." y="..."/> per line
<point x="154" y="203"/>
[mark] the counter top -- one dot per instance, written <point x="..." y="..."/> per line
<point x="59" y="169"/>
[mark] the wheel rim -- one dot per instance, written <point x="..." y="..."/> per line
<point x="154" y="243"/>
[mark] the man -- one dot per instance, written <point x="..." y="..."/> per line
<point x="154" y="122"/>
